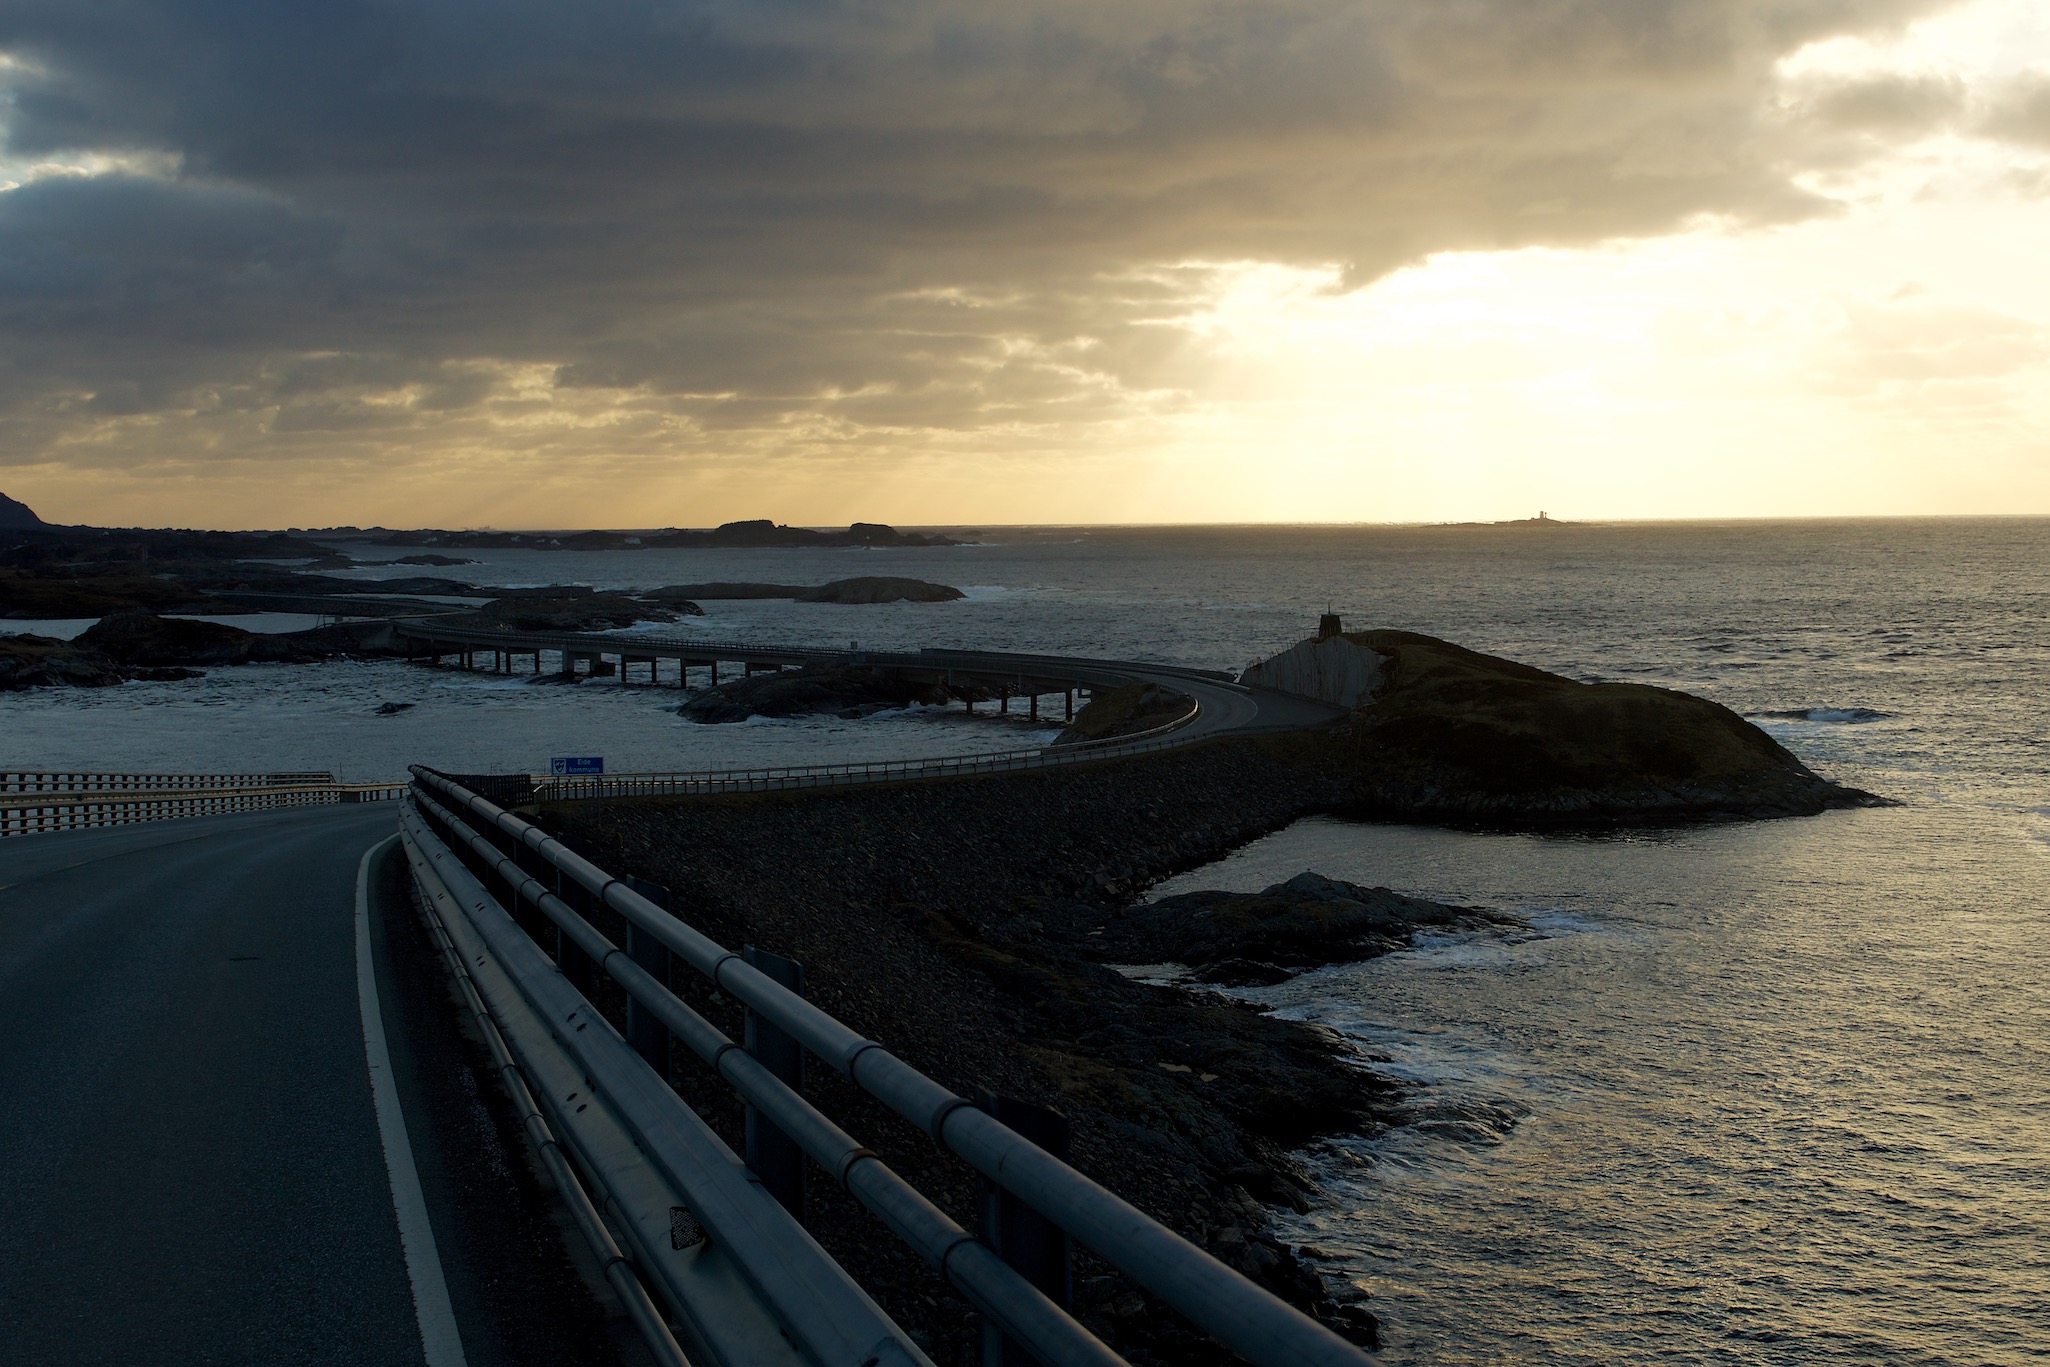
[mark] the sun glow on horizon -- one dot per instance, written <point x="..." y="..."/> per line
<point x="1891" y="356"/>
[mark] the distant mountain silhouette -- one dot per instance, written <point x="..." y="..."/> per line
<point x="18" y="517"/>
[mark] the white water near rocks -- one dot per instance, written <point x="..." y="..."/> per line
<point x="1766" y="1093"/>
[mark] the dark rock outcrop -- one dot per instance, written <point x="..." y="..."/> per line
<point x="880" y="589"/>
<point x="44" y="662"/>
<point x="1125" y="710"/>
<point x="1267" y="936"/>
<point x="868" y="589"/>
<point x="571" y="610"/>
<point x="722" y="591"/>
<point x="141" y="638"/>
<point x="29" y="596"/>
<point x="434" y="560"/>
<point x="16" y="516"/>
<point x="839" y="691"/>
<point x="761" y="531"/>
<point x="1453" y="734"/>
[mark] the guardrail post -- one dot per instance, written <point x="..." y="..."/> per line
<point x="575" y="964"/>
<point x="648" y="1036"/>
<point x="772" y="1155"/>
<point x="1036" y="1247"/>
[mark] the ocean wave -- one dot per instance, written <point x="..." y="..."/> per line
<point x="1847" y="716"/>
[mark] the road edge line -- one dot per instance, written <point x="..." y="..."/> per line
<point x="439" y="1340"/>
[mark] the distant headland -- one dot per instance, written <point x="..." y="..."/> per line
<point x="757" y="532"/>
<point x="16" y="516"/>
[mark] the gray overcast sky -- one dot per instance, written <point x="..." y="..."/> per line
<point x="668" y="262"/>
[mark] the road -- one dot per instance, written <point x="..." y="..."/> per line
<point x="191" y="1167"/>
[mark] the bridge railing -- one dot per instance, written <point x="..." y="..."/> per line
<point x="991" y="663"/>
<point x="42" y="812"/>
<point x="38" y="781"/>
<point x="708" y="781"/>
<point x="463" y="846"/>
<point x="432" y="629"/>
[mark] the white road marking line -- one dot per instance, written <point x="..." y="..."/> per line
<point x="438" y="1337"/>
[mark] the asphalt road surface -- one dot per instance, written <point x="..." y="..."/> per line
<point x="191" y="1167"/>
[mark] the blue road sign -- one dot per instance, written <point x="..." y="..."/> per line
<point x="564" y="765"/>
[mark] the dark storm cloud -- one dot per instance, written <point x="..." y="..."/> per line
<point x="902" y="213"/>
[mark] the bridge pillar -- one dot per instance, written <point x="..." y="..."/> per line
<point x="772" y="1155"/>
<point x="1070" y="694"/>
<point x="1029" y="1243"/>
<point x="1035" y="706"/>
<point x="648" y="1036"/>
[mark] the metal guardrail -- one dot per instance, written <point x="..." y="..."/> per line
<point x="40" y="813"/>
<point x="34" y="781"/>
<point x="430" y="630"/>
<point x="604" y="1069"/>
<point x="707" y="781"/>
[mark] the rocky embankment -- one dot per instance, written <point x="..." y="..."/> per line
<point x="953" y="922"/>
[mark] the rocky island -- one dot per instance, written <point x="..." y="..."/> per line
<point x="1438" y="732"/>
<point x="866" y="589"/>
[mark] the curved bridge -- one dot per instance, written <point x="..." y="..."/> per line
<point x="1222" y="706"/>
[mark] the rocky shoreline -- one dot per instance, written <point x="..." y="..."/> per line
<point x="950" y="922"/>
<point x="976" y="927"/>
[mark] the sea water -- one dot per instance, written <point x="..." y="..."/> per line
<point x="1761" y="1093"/>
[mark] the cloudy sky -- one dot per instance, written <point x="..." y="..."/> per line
<point x="652" y="262"/>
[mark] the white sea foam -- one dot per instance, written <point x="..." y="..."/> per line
<point x="1842" y="716"/>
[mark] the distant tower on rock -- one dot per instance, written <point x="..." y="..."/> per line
<point x="1328" y="626"/>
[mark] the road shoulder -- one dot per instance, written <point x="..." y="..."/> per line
<point x="522" y="1287"/>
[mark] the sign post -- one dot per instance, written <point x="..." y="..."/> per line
<point x="567" y="766"/>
